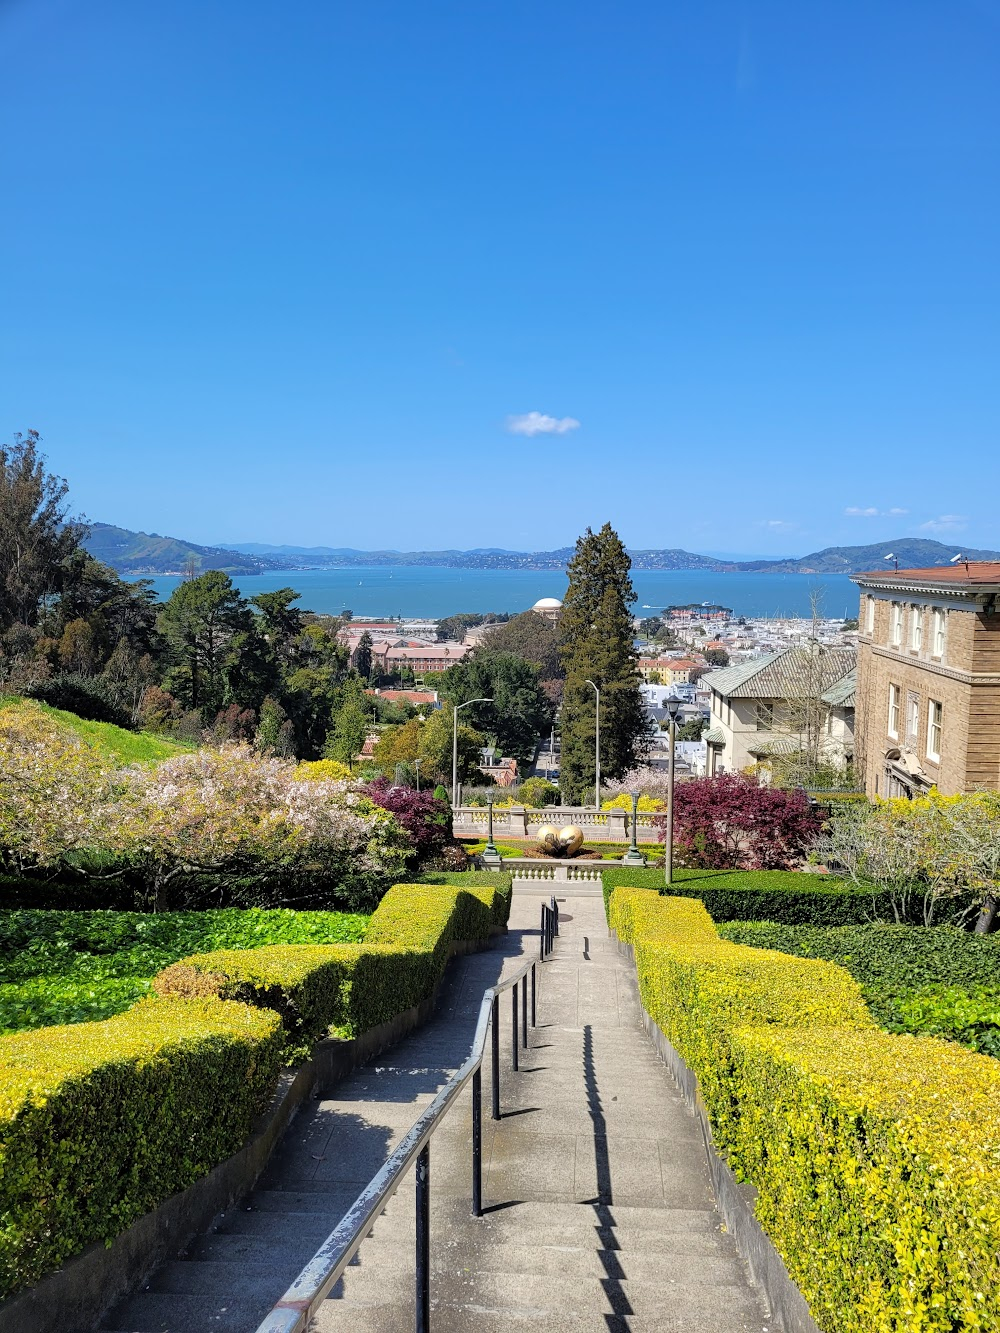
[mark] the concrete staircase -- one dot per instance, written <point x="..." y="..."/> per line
<point x="599" y="1210"/>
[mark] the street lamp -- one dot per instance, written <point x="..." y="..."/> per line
<point x="632" y="857"/>
<point x="597" y="743"/>
<point x="673" y="707"/>
<point x="454" y="745"/>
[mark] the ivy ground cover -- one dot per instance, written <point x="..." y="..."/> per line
<point x="934" y="979"/>
<point x="74" y="967"/>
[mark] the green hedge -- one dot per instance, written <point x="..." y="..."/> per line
<point x="873" y="1155"/>
<point x="352" y="988"/>
<point x="915" y="978"/>
<point x="794" y="897"/>
<point x="100" y="1122"/>
<point x="75" y="967"/>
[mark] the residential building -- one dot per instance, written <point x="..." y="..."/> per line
<point x="668" y="670"/>
<point x="782" y="704"/>
<point x="929" y="679"/>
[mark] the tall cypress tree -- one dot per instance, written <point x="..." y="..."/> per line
<point x="596" y="643"/>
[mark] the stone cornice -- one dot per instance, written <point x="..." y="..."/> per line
<point x="935" y="668"/>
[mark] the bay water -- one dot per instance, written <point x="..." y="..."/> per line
<point x="432" y="591"/>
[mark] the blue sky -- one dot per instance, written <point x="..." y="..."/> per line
<point x="302" y="272"/>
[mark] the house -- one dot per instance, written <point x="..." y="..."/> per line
<point x="668" y="670"/>
<point x="782" y="704"/>
<point x="929" y="679"/>
<point x="417" y="698"/>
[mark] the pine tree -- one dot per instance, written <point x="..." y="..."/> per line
<point x="596" y="643"/>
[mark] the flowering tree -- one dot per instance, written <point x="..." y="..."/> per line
<point x="237" y="814"/>
<point x="927" y="855"/>
<point x="730" y="822"/>
<point x="425" y="818"/>
<point x="51" y="787"/>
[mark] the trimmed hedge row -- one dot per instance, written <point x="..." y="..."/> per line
<point x="99" y="1122"/>
<point x="793" y="897"/>
<point x="351" y="987"/>
<point x="171" y="1088"/>
<point x="874" y="1155"/>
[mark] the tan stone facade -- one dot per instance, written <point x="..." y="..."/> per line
<point x="928" y="694"/>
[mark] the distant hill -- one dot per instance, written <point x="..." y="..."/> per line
<point x="138" y="553"/>
<point x="911" y="552"/>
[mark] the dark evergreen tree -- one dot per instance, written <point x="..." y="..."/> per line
<point x="596" y="644"/>
<point x="520" y="712"/>
<point x="363" y="656"/>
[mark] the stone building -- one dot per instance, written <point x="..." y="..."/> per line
<point x="928" y="694"/>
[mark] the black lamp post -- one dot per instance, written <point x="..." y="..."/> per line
<point x="673" y="707"/>
<point x="491" y="856"/>
<point x="633" y="857"/>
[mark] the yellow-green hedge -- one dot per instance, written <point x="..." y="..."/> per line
<point x="875" y="1156"/>
<point x="100" y="1122"/>
<point x="351" y="987"/>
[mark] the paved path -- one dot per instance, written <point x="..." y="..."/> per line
<point x="600" y="1214"/>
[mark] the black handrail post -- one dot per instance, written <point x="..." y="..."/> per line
<point x="555" y="916"/>
<point x="533" y="995"/>
<point x="423" y="1311"/>
<point x="495" y="1023"/>
<point x="541" y="934"/>
<point x="513" y="1027"/>
<point x="477" y="1143"/>
<point x="524" y="1011"/>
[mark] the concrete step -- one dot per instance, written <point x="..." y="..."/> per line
<point x="552" y="1304"/>
<point x="157" y="1312"/>
<point x="461" y="1255"/>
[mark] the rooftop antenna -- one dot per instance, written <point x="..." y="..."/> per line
<point x="893" y="558"/>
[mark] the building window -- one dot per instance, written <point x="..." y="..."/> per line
<point x="912" y="719"/>
<point x="897" y="625"/>
<point x="894" y="711"/>
<point x="937" y="630"/>
<point x="916" y="628"/>
<point x="870" y="616"/>
<point x="934" y="718"/>
<point x="765" y="716"/>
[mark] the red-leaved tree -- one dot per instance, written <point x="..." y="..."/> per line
<point x="426" y="819"/>
<point x="730" y="822"/>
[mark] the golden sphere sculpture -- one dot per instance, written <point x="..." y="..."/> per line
<point x="560" y="842"/>
<point x="570" y="839"/>
<point x="548" y="839"/>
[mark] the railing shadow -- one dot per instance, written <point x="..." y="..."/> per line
<point x="602" y="1203"/>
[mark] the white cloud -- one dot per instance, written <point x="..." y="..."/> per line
<point x="872" y="511"/>
<point x="778" y="523"/>
<point x="946" y="523"/>
<point x="537" y="423"/>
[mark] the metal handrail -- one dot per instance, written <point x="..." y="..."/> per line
<point x="293" y="1312"/>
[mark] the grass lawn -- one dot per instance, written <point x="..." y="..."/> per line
<point x="123" y="747"/>
<point x="75" y="967"/>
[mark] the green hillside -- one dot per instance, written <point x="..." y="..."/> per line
<point x="123" y="747"/>
<point x="148" y="553"/>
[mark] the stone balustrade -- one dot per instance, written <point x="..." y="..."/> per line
<point x="522" y="822"/>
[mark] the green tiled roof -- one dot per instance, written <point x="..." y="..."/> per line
<point x="715" y="737"/>
<point x="841" y="692"/>
<point x="794" y="673"/>
<point x="775" y="745"/>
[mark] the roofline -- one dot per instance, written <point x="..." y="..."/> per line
<point x="898" y="582"/>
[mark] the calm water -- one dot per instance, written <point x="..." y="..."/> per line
<point x="433" y="592"/>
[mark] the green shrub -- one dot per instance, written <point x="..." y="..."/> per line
<point x="72" y="967"/>
<point x="352" y="988"/>
<point x="932" y="979"/>
<point x="164" y="1093"/>
<point x="874" y="1155"/>
<point x="791" y="896"/>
